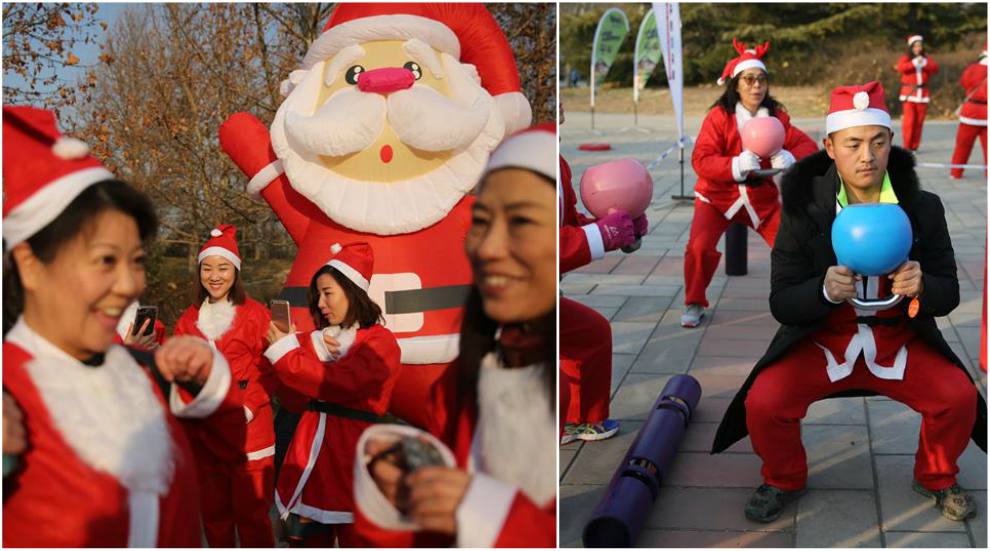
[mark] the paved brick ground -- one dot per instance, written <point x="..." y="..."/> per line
<point x="860" y="451"/>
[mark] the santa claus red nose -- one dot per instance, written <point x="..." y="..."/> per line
<point x="385" y="80"/>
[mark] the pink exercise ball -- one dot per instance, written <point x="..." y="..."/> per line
<point x="623" y="184"/>
<point x="763" y="136"/>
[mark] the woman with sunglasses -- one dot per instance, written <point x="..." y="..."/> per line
<point x="729" y="188"/>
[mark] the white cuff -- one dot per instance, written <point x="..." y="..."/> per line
<point x="595" y="242"/>
<point x="209" y="397"/>
<point x="828" y="298"/>
<point x="264" y="177"/>
<point x="367" y="497"/>
<point x="736" y="175"/>
<point x="248" y="414"/>
<point x="281" y="347"/>
<point x="483" y="511"/>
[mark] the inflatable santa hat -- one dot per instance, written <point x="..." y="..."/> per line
<point x="43" y="171"/>
<point x="355" y="260"/>
<point x="532" y="149"/>
<point x="747" y="59"/>
<point x="857" y="105"/>
<point x="467" y="32"/>
<point x="223" y="243"/>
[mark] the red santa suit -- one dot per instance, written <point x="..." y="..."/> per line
<point x="416" y="226"/>
<point x="108" y="464"/>
<point x="915" y="73"/>
<point x="511" y="499"/>
<point x="237" y="487"/>
<point x="341" y="397"/>
<point x="585" y="335"/>
<point x="972" y="116"/>
<point x="723" y="196"/>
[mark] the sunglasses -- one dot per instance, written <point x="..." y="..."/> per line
<point x="751" y="80"/>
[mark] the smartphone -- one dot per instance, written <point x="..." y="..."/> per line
<point x="280" y="315"/>
<point x="145" y="313"/>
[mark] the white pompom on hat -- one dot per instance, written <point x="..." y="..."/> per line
<point x="857" y="105"/>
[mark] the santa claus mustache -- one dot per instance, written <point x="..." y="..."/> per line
<point x="350" y="121"/>
<point x="426" y="120"/>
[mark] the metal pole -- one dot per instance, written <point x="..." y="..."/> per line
<point x="635" y="113"/>
<point x="592" y="117"/>
<point x="680" y="161"/>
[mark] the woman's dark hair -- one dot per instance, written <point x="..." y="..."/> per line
<point x="730" y="97"/>
<point x="360" y="308"/>
<point x="45" y="244"/>
<point x="478" y="339"/>
<point x="236" y="295"/>
<point x="910" y="49"/>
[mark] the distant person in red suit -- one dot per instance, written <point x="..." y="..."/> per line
<point x="972" y="115"/>
<point x="916" y="68"/>
<point x="237" y="487"/>
<point x="728" y="190"/>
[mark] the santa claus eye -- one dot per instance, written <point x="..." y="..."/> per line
<point x="352" y="74"/>
<point x="414" y="69"/>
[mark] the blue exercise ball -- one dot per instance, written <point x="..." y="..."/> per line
<point x="872" y="240"/>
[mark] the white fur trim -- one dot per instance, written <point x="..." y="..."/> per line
<point x="515" y="110"/>
<point x="341" y="61"/>
<point x="261" y="454"/>
<point x="596" y="244"/>
<point x="535" y="151"/>
<point x="367" y="497"/>
<point x="350" y="273"/>
<point x="861" y="100"/>
<point x="423" y="54"/>
<point x="215" y="318"/>
<point x="220" y="251"/>
<point x="345" y="337"/>
<point x="840" y="120"/>
<point x="143" y="513"/>
<point x="314" y="452"/>
<point x="108" y="415"/>
<point x="483" y="511"/>
<point x="323" y="516"/>
<point x="70" y="149"/>
<point x="743" y="202"/>
<point x="915" y="99"/>
<point x="368" y="206"/>
<point x="748" y="64"/>
<point x="265" y="176"/>
<point x="736" y="174"/>
<point x="38" y="210"/>
<point x="248" y="414"/>
<point x="281" y="347"/>
<point x="743" y="115"/>
<point x="429" y="349"/>
<point x="382" y="27"/>
<point x="973" y="122"/>
<point x="915" y="38"/>
<point x="212" y="394"/>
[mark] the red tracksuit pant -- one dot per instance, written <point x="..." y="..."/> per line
<point x="911" y="122"/>
<point x="237" y="498"/>
<point x="965" y="137"/>
<point x="932" y="386"/>
<point x="586" y="360"/>
<point x="701" y="257"/>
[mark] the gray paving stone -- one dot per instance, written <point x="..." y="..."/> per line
<point x="707" y="538"/>
<point x="644" y="309"/>
<point x="837" y="411"/>
<point x="670" y="353"/>
<point x="572" y="289"/>
<point x="739" y="331"/>
<point x="621" y="363"/>
<point x="748" y="304"/>
<point x="732" y="348"/>
<point x="838" y="456"/>
<point x="720" y="365"/>
<point x="724" y="470"/>
<point x="565" y="456"/>
<point x="606" y="301"/>
<point x="637" y="394"/>
<point x="597" y="461"/>
<point x="837" y="518"/>
<point x="714" y="385"/>
<point x="603" y="279"/>
<point x="577" y="503"/>
<point x="926" y="539"/>
<point x="710" y="410"/>
<point x="902" y="508"/>
<point x="630" y="337"/>
<point x="973" y="468"/>
<point x="978" y="526"/>
<point x="709" y="509"/>
<point x="699" y="438"/>
<point x="894" y="427"/>
<point x="637" y="290"/>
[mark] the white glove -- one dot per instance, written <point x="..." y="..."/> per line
<point x="746" y="162"/>
<point x="919" y="61"/>
<point x="782" y="159"/>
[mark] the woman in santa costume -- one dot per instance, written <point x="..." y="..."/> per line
<point x="105" y="462"/>
<point x="341" y="376"/>
<point x="237" y="488"/>
<point x="492" y="478"/>
<point x="972" y="115"/>
<point x="916" y="67"/>
<point x="728" y="190"/>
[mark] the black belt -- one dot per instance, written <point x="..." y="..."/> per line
<point x="347" y="413"/>
<point x="874" y="320"/>
<point x="409" y="301"/>
<point x="977" y="102"/>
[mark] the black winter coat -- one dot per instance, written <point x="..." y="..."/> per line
<point x="803" y="252"/>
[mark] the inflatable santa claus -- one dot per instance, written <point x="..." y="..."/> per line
<point x="385" y="129"/>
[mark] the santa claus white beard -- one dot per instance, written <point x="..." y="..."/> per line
<point x="424" y="119"/>
<point x="350" y="121"/>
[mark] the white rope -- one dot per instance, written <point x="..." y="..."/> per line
<point x="944" y="165"/>
<point x="685" y="140"/>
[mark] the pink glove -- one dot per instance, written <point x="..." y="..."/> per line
<point x="641" y="226"/>
<point x="616" y="229"/>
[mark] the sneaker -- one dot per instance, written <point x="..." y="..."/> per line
<point x="954" y="502"/>
<point x="768" y="502"/>
<point x="692" y="316"/>
<point x="589" y="432"/>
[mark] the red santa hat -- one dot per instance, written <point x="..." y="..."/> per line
<point x="914" y="38"/>
<point x="222" y="242"/>
<point x="43" y="171"/>
<point x="355" y="260"/>
<point x="747" y="59"/>
<point x="534" y="149"/>
<point x="857" y="105"/>
<point x="465" y="31"/>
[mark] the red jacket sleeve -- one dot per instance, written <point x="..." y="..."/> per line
<point x="574" y="249"/>
<point x="708" y="160"/>
<point x="904" y="65"/>
<point x="931" y="67"/>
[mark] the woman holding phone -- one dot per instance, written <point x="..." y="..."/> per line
<point x="236" y="487"/>
<point x="101" y="457"/>
<point x="494" y="408"/>
<point x="341" y="376"/>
